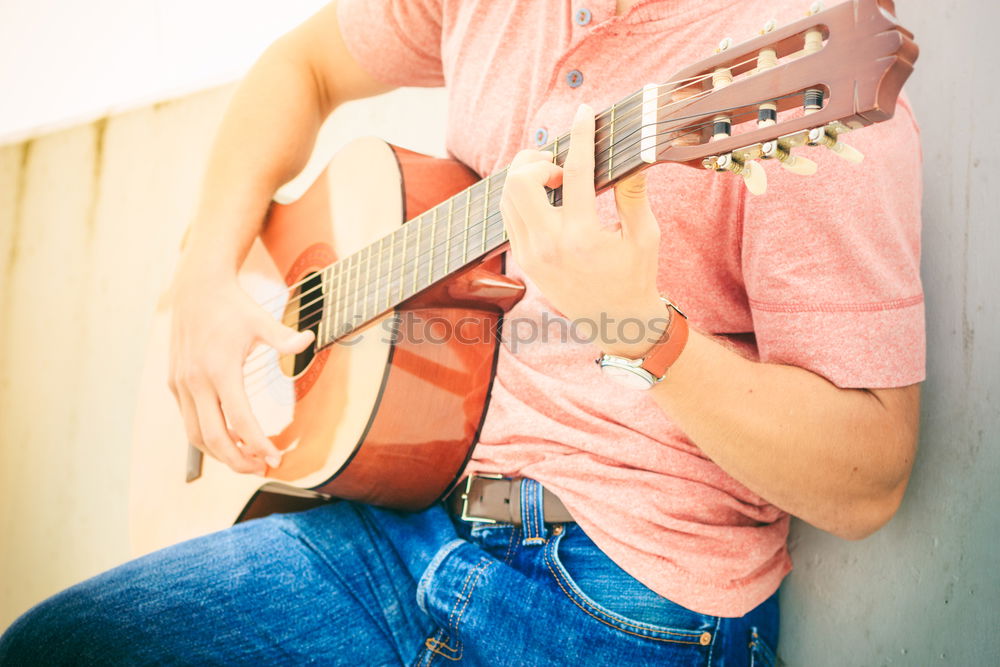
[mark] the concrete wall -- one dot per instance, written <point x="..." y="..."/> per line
<point x="90" y="217"/>
<point x="926" y="589"/>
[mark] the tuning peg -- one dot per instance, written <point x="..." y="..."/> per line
<point x="849" y="153"/>
<point x="754" y="177"/>
<point x="752" y="172"/>
<point x="820" y="137"/>
<point x="799" y="165"/>
<point x="770" y="150"/>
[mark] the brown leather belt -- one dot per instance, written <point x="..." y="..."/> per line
<point x="496" y="499"/>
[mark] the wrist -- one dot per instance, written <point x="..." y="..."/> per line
<point x="646" y="370"/>
<point x="637" y="330"/>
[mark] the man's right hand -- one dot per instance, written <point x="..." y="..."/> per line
<point x="215" y="326"/>
<point x="265" y="139"/>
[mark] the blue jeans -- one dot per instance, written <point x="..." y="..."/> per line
<point x="349" y="584"/>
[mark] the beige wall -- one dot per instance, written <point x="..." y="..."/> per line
<point x="90" y="220"/>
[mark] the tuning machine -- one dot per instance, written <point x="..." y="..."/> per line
<point x="752" y="172"/>
<point x="796" y="164"/>
<point x="827" y="136"/>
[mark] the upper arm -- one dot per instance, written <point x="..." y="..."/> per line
<point x="339" y="77"/>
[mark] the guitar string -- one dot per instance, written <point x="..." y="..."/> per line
<point x="631" y="117"/>
<point x="333" y="273"/>
<point x="258" y="379"/>
<point x="254" y="374"/>
<point x="417" y="263"/>
<point x="413" y="266"/>
<point x="374" y="289"/>
<point x="328" y="274"/>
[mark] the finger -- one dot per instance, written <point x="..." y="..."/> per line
<point x="190" y="417"/>
<point x="525" y="190"/>
<point x="216" y="436"/>
<point x="513" y="224"/>
<point x="527" y="156"/>
<point x="284" y="339"/>
<point x="237" y="410"/>
<point x="634" y="211"/>
<point x="579" y="197"/>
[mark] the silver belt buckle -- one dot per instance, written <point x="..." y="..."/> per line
<point x="468" y="489"/>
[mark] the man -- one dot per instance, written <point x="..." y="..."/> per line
<point x="795" y="392"/>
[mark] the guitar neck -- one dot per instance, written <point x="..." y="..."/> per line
<point x="458" y="232"/>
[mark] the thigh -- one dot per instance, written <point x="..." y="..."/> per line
<point x="325" y="586"/>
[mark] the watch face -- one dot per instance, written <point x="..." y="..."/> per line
<point x="627" y="377"/>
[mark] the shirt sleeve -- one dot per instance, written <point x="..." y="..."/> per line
<point x="398" y="42"/>
<point x="831" y="262"/>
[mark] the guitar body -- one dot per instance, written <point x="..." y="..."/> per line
<point x="382" y="419"/>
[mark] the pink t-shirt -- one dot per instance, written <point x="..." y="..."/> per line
<point x="821" y="272"/>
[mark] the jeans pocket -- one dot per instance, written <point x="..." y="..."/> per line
<point x="761" y="654"/>
<point x="603" y="591"/>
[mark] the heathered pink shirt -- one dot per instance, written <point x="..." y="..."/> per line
<point x="821" y="272"/>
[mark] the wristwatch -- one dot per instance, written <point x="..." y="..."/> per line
<point x="650" y="369"/>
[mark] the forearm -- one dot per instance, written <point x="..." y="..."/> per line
<point x="265" y="138"/>
<point x="837" y="458"/>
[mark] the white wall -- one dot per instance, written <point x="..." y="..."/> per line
<point x="65" y="63"/>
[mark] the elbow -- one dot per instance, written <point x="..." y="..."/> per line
<point x="869" y="516"/>
<point x="890" y="477"/>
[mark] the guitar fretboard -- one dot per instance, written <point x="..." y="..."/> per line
<point x="452" y="235"/>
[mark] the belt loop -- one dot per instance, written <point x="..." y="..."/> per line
<point x="532" y="513"/>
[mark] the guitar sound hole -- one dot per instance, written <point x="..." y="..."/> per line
<point x="303" y="313"/>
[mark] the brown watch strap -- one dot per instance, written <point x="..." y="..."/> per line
<point x="666" y="350"/>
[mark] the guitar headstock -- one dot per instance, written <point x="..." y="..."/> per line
<point x="808" y="82"/>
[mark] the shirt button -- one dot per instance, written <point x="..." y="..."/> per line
<point x="541" y="136"/>
<point x="574" y="78"/>
<point x="582" y="16"/>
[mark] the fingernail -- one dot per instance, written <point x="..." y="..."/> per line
<point x="273" y="461"/>
<point x="583" y="111"/>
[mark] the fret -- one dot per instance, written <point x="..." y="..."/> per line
<point x="388" y="285"/>
<point x="342" y="309"/>
<point x="379" y="306"/>
<point x="551" y="194"/>
<point x="402" y="259"/>
<point x="499" y="218"/>
<point x="447" y="236"/>
<point x="465" y="233"/>
<point x="430" y="257"/>
<point x="611" y="145"/>
<point x="368" y="276"/>
<point x="353" y="308"/>
<point x="486" y="212"/>
<point x="416" y="260"/>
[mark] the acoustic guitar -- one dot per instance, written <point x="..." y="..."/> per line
<point x="407" y="307"/>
